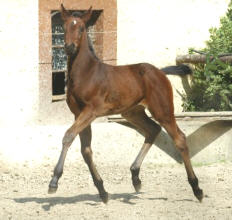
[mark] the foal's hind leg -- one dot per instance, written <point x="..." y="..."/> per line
<point x="167" y="120"/>
<point x="180" y="142"/>
<point x="150" y="130"/>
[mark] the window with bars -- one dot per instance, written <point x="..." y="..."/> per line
<point x="59" y="59"/>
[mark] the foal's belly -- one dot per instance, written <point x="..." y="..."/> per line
<point x="117" y="103"/>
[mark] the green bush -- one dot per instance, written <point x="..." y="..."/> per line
<point x="211" y="88"/>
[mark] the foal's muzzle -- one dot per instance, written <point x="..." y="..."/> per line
<point x="70" y="48"/>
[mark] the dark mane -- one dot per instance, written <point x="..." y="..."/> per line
<point x="79" y="14"/>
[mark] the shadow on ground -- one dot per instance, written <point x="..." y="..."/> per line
<point x="197" y="141"/>
<point x="48" y="202"/>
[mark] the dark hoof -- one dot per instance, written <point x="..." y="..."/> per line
<point x="199" y="194"/>
<point x="52" y="190"/>
<point x="137" y="184"/>
<point x="104" y="196"/>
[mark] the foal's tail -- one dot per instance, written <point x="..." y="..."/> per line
<point x="177" y="70"/>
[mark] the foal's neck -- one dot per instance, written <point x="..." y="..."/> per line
<point x="84" y="57"/>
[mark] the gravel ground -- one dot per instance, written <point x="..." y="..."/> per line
<point x="26" y="166"/>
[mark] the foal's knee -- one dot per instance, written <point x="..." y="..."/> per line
<point x="68" y="139"/>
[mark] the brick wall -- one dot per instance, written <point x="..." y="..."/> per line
<point x="106" y="26"/>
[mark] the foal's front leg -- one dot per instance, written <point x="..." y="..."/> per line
<point x="84" y="119"/>
<point x="85" y="137"/>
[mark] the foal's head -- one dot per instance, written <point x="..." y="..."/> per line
<point x="73" y="29"/>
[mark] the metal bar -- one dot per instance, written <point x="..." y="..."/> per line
<point x="58" y="46"/>
<point x="59" y="71"/>
<point x="185" y="116"/>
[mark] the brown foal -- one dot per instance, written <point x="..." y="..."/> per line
<point x="96" y="89"/>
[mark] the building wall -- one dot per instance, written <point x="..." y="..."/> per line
<point x="157" y="31"/>
<point x="19" y="61"/>
<point x="147" y="31"/>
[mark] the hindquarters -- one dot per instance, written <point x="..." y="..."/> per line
<point x="158" y="94"/>
<point x="159" y="100"/>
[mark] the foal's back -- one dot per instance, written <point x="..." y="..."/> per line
<point x="130" y="85"/>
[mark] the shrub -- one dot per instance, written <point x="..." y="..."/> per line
<point x="211" y="88"/>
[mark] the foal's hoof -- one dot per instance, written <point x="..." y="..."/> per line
<point x="104" y="196"/>
<point x="52" y="190"/>
<point x="199" y="194"/>
<point x="137" y="184"/>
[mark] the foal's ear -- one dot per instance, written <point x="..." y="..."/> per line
<point x="64" y="13"/>
<point x="87" y="15"/>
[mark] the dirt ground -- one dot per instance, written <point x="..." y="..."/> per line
<point x="165" y="192"/>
